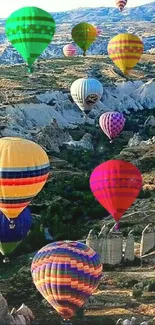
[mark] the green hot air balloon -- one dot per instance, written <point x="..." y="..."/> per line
<point x="30" y="30"/>
<point x="84" y="35"/>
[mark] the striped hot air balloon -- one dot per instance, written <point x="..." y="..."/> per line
<point x="69" y="50"/>
<point x="112" y="123"/>
<point x="11" y="234"/>
<point x="121" y="4"/>
<point x="86" y="92"/>
<point x="116" y="184"/>
<point x="125" y="50"/>
<point x="84" y="35"/>
<point x="30" y="30"/>
<point x="24" y="168"/>
<point x="66" y="273"/>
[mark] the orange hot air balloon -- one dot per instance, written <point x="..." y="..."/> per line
<point x="121" y="4"/>
<point x="24" y="168"/>
<point x="116" y="184"/>
<point x="125" y="50"/>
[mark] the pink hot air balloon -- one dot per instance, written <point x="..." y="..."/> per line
<point x="99" y="30"/>
<point x="116" y="185"/>
<point x="69" y="50"/>
<point x="112" y="124"/>
<point x="121" y="4"/>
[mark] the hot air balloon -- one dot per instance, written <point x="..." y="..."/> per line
<point x="121" y="4"/>
<point x="112" y="123"/>
<point x="99" y="30"/>
<point x="84" y="35"/>
<point x="11" y="234"/>
<point x="86" y="92"/>
<point x="125" y="50"/>
<point x="30" y="30"/>
<point x="116" y="184"/>
<point x="66" y="273"/>
<point x="69" y="50"/>
<point x="24" y="168"/>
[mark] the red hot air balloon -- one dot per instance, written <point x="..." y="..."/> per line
<point x="121" y="4"/>
<point x="112" y="123"/>
<point x="116" y="184"/>
<point x="69" y="50"/>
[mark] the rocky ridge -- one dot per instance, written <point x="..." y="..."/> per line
<point x="49" y="116"/>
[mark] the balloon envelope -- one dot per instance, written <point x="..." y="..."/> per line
<point x="125" y="50"/>
<point x="30" y="30"/>
<point x="121" y="4"/>
<point x="24" y="168"/>
<point x="99" y="30"/>
<point x="86" y="92"/>
<point x="112" y="123"/>
<point x="69" y="50"/>
<point x="116" y="184"/>
<point x="66" y="273"/>
<point x="10" y="237"/>
<point x="84" y="35"/>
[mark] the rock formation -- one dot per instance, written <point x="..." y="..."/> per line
<point x="148" y="239"/>
<point x="109" y="245"/>
<point x="22" y="316"/>
<point x="129" y="248"/>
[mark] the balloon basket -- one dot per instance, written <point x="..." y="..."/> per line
<point x="66" y="322"/>
<point x="117" y="226"/>
<point x="6" y="260"/>
<point x="12" y="224"/>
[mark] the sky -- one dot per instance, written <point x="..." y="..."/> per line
<point x="8" y="6"/>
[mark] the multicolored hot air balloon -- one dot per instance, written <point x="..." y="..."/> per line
<point x="125" y="50"/>
<point x="30" y="30"/>
<point x="112" y="123"/>
<point x="86" y="92"/>
<point x="66" y="273"/>
<point x="121" y="4"/>
<point x="116" y="184"/>
<point x="11" y="234"/>
<point x="84" y="35"/>
<point x="69" y="50"/>
<point x="24" y="168"/>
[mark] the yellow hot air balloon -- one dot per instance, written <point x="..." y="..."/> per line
<point x="24" y="168"/>
<point x="125" y="50"/>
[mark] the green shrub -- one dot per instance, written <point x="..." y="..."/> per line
<point x="136" y="293"/>
<point x="151" y="286"/>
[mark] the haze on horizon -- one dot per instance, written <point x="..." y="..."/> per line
<point x="9" y="6"/>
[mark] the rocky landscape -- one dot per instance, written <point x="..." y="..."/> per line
<point x="39" y="107"/>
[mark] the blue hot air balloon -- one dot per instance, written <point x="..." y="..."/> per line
<point x="14" y="231"/>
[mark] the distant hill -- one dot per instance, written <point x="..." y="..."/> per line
<point x="105" y="14"/>
<point x="139" y="20"/>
